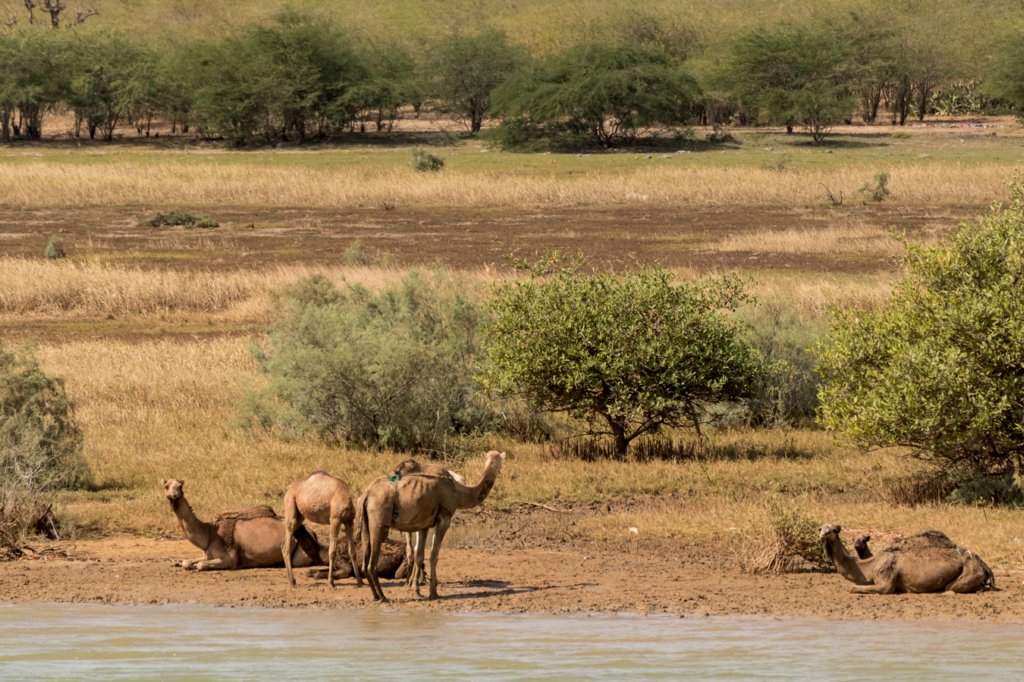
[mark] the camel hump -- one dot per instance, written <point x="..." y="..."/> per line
<point x="260" y="511"/>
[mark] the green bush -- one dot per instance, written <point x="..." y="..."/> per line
<point x="629" y="353"/>
<point x="426" y="162"/>
<point x="55" y="248"/>
<point x="786" y="392"/>
<point x="939" y="368"/>
<point x="40" y="445"/>
<point x="879" y="191"/>
<point x="182" y="218"/>
<point x="393" y="369"/>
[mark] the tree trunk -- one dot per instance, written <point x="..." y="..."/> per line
<point x="619" y="433"/>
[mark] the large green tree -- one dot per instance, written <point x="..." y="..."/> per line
<point x="468" y="67"/>
<point x="793" y="75"/>
<point x="628" y="353"/>
<point x="940" y="369"/>
<point x="607" y="93"/>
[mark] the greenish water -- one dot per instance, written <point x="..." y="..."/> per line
<point x="91" y="642"/>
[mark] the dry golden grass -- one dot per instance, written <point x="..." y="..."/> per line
<point x="38" y="287"/>
<point x="35" y="288"/>
<point x="857" y="238"/>
<point x="177" y="181"/>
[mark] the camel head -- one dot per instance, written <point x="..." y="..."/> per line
<point x="174" y="489"/>
<point x="494" y="459"/>
<point x="860" y="543"/>
<point x="409" y="466"/>
<point x="828" y="531"/>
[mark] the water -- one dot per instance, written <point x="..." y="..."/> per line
<point x="92" y="642"/>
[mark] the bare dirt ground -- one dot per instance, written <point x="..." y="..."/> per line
<point x="609" y="236"/>
<point x="524" y="561"/>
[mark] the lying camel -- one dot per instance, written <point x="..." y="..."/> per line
<point x="247" y="539"/>
<point x="414" y="503"/>
<point x="413" y="542"/>
<point x="326" y="500"/>
<point x="926" y="562"/>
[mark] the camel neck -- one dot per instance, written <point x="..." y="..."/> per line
<point x="846" y="565"/>
<point x="197" y="532"/>
<point x="472" y="496"/>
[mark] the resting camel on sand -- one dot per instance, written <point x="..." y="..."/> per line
<point x="326" y="500"/>
<point x="414" y="503"/>
<point x="412" y="542"/>
<point x="246" y="539"/>
<point x="926" y="562"/>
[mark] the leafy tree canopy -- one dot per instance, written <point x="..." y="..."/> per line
<point x="608" y="94"/>
<point x="941" y="367"/>
<point x="633" y="352"/>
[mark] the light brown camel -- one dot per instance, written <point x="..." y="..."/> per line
<point x="326" y="500"/>
<point x="413" y="503"/>
<point x="414" y="541"/>
<point x="247" y="539"/>
<point x="926" y="562"/>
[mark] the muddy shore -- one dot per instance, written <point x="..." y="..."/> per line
<point x="528" y="571"/>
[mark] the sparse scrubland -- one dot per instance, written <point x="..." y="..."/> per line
<point x="159" y="359"/>
<point x="163" y="332"/>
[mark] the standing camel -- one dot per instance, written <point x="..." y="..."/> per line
<point x="414" y="503"/>
<point x="413" y="542"/>
<point x="246" y="539"/>
<point x="326" y="500"/>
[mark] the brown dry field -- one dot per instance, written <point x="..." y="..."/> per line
<point x="526" y="560"/>
<point x="460" y="238"/>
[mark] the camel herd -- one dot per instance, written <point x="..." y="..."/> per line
<point x="417" y="497"/>
<point x="413" y="499"/>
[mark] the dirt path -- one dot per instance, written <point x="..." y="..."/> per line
<point x="681" y="580"/>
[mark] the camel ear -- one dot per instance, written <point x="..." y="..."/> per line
<point x="837" y="529"/>
<point x="163" y="482"/>
<point x="502" y="455"/>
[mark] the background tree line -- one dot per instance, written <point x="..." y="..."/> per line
<point x="299" y="77"/>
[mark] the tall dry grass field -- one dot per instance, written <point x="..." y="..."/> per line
<point x="176" y="180"/>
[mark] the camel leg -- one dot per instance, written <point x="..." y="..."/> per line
<point x="292" y="521"/>
<point x="435" y="550"/>
<point x="188" y="564"/>
<point x="349" y="533"/>
<point x="972" y="578"/>
<point x="422" y="543"/>
<point x="888" y="587"/>
<point x="417" y="576"/>
<point x="405" y="570"/>
<point x="373" y="556"/>
<point x="332" y="551"/>
<point x="225" y="562"/>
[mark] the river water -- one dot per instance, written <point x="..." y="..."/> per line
<point x="93" y="642"/>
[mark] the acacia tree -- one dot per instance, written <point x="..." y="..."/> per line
<point x="468" y="68"/>
<point x="793" y="75"/>
<point x="939" y="369"/>
<point x="607" y="93"/>
<point x="629" y="354"/>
